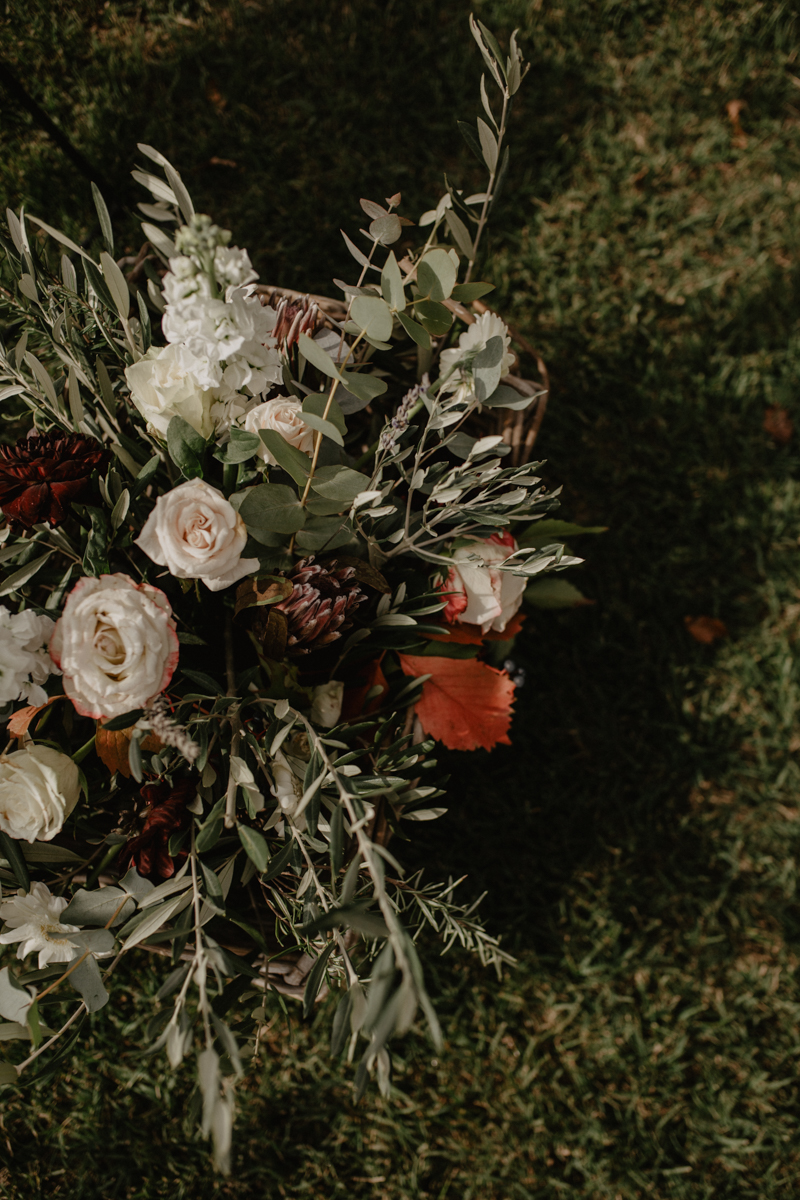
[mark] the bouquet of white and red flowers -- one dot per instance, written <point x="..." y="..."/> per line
<point x="259" y="556"/>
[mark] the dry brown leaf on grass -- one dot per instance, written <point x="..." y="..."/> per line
<point x="705" y="629"/>
<point x="734" y="108"/>
<point x="112" y="748"/>
<point x="778" y="424"/>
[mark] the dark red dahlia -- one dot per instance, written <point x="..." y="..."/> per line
<point x="166" y="814"/>
<point x="44" y="473"/>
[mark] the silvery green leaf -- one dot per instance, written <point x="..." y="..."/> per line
<point x="312" y="352"/>
<point x="156" y="186"/>
<point x="485" y="444"/>
<point x="100" y="941"/>
<point x="436" y="274"/>
<point x="487" y="368"/>
<point x="365" y="387"/>
<point x="160" y="240"/>
<point x="372" y="209"/>
<point x="179" y="883"/>
<point x="357" y="254"/>
<point x="372" y="314"/>
<point x="104" y="218"/>
<point x="154" y="155"/>
<point x="27" y="285"/>
<point x="68" y="276"/>
<point x="487" y="58"/>
<point x="181" y="194"/>
<point x="47" y="852"/>
<point x="156" y="297"/>
<point x="415" y="331"/>
<point x="42" y="377"/>
<point x="120" y="509"/>
<point x="117" y="285"/>
<point x="320" y="425"/>
<point x="156" y="213"/>
<point x="15" y="229"/>
<point x="339" y="483"/>
<point x="74" y="395"/>
<point x="139" y="887"/>
<point x="514" y="65"/>
<point x="460" y="233"/>
<point x="60" y="237"/>
<point x="486" y="105"/>
<point x="488" y="144"/>
<point x="492" y="43"/>
<point x="392" y="619"/>
<point x="14" y="999"/>
<point x="20" y="348"/>
<point x="11" y="1030"/>
<point x="272" y="508"/>
<point x="152" y="923"/>
<point x="508" y="397"/>
<point x="386" y="229"/>
<point x="392" y="284"/>
<point x="98" y="907"/>
<point x="21" y="576"/>
<point x="15" y="390"/>
<point x="324" y="533"/>
<point x="144" y="321"/>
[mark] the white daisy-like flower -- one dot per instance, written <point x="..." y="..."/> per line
<point x="33" y="921"/>
<point x="471" y="342"/>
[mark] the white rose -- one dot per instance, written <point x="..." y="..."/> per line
<point x="197" y="534"/>
<point x="38" y="790"/>
<point x="33" y="920"/>
<point x="24" y="663"/>
<point x="164" y="384"/>
<point x="479" y="594"/>
<point x="326" y="703"/>
<point x="116" y="645"/>
<point x="283" y="415"/>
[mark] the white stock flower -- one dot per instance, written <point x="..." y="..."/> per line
<point x="229" y="340"/>
<point x="479" y="594"/>
<point x="283" y="415"/>
<point x="470" y="343"/>
<point x="232" y="267"/>
<point x="326" y="703"/>
<point x="165" y="384"/>
<point x="115" y="644"/>
<point x="33" y="921"/>
<point x="197" y="534"/>
<point x="24" y="661"/>
<point x="38" y="790"/>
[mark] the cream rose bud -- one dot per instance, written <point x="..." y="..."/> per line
<point x="479" y="594"/>
<point x="326" y="703"/>
<point x="283" y="415"/>
<point x="197" y="534"/>
<point x="116" y="645"/>
<point x="38" y="790"/>
<point x="164" y="385"/>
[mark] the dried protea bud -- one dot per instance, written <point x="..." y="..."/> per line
<point x="293" y="318"/>
<point x="41" y="475"/>
<point x="321" y="606"/>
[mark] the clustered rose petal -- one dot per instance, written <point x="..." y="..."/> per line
<point x="24" y="662"/>
<point x="115" y="644"/>
<point x="41" y="475"/>
<point x="38" y="790"/>
<point x="33" y="921"/>
<point x="197" y="534"/>
<point x="283" y="415"/>
<point x="479" y="594"/>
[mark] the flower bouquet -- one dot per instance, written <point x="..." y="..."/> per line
<point x="259" y="557"/>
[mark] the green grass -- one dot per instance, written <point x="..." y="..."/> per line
<point x="639" y="841"/>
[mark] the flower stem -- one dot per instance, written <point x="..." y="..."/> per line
<point x="80" y="755"/>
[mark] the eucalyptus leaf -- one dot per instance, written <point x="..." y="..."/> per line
<point x="294" y="461"/>
<point x="14" y="999"/>
<point x="312" y="352"/>
<point x="465" y="293"/>
<point x="508" y="397"/>
<point x="460" y="233"/>
<point x="320" y="425"/>
<point x="98" y="907"/>
<point x="365" y="387"/>
<point x="392" y="284"/>
<point x="415" y="331"/>
<point x="386" y="229"/>
<point x="186" y="447"/>
<point x="437" y="274"/>
<point x="373" y="315"/>
<point x="339" y="483"/>
<point x="434" y="316"/>
<point x="272" y="508"/>
<point x="487" y="368"/>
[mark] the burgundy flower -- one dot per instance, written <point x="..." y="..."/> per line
<point x="43" y="474"/>
<point x="166" y="814"/>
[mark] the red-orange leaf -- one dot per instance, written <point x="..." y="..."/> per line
<point x="112" y="748"/>
<point x="19" y="722"/>
<point x="470" y="635"/>
<point x="465" y="704"/>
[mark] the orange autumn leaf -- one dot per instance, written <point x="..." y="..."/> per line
<point x="465" y="704"/>
<point x="112" y="748"/>
<point x="19" y="722"/>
